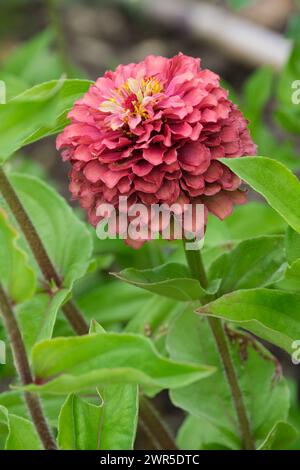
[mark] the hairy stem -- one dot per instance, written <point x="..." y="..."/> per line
<point x="36" y="245"/>
<point x="156" y="430"/>
<point x="197" y="269"/>
<point x="23" y="369"/>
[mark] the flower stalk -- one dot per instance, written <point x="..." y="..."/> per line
<point x="24" y="371"/>
<point x="197" y="269"/>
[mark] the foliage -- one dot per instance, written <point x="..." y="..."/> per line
<point x="156" y="334"/>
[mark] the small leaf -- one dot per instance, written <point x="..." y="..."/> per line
<point x="292" y="245"/>
<point x="96" y="303"/>
<point x="169" y="280"/>
<point x="15" y="273"/>
<point x="291" y="279"/>
<point x="21" y="433"/>
<point x="288" y="113"/>
<point x="79" y="425"/>
<point x="36" y="113"/>
<point x="271" y="314"/>
<point x="68" y="365"/>
<point x="274" y="181"/>
<point x="65" y="237"/>
<point x="281" y="436"/>
<point x="252" y="263"/>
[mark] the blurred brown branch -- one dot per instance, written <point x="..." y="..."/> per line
<point x="235" y="35"/>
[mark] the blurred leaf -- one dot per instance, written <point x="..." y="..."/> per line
<point x="254" y="219"/>
<point x="37" y="316"/>
<point x="21" y="433"/>
<point x="169" y="280"/>
<point x="292" y="245"/>
<point x="15" y="273"/>
<point x="274" y="181"/>
<point x="288" y="112"/>
<point x="154" y="318"/>
<point x="259" y="85"/>
<point x="266" y="399"/>
<point x="252" y="263"/>
<point x="14" y="402"/>
<point x="199" y="433"/>
<point x="65" y="237"/>
<point x="37" y="112"/>
<point x="280" y="437"/>
<point x="239" y="4"/>
<point x="291" y="279"/>
<point x="272" y="315"/>
<point x="96" y="303"/>
<point x="82" y="363"/>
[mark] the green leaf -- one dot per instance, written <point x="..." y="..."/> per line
<point x="288" y="113"/>
<point x="96" y="303"/>
<point x="15" y="273"/>
<point x="291" y="279"/>
<point x="36" y="113"/>
<point x="154" y="319"/>
<point x="252" y="263"/>
<point x="274" y="181"/>
<point x="14" y="402"/>
<point x="120" y="417"/>
<point x="248" y="221"/>
<point x="259" y="85"/>
<point x="271" y="314"/>
<point x="199" y="433"/>
<point x="65" y="237"/>
<point x="98" y="360"/>
<point x="33" y="61"/>
<point x="292" y="245"/>
<point x="37" y="316"/>
<point x="281" y="436"/>
<point x="21" y="434"/>
<point x="266" y="399"/>
<point x="79" y="425"/>
<point x="108" y="426"/>
<point x="169" y="280"/>
<point x="238" y="4"/>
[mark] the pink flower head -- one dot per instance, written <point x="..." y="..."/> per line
<point x="154" y="132"/>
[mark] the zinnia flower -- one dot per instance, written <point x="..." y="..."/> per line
<point x="154" y="132"/>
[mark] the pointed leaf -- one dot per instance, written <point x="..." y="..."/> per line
<point x="15" y="273"/>
<point x="67" y="365"/>
<point x="271" y="314"/>
<point x="169" y="280"/>
<point x="274" y="181"/>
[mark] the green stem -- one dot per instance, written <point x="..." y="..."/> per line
<point x="23" y="369"/>
<point x="36" y="245"/>
<point x="195" y="263"/>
